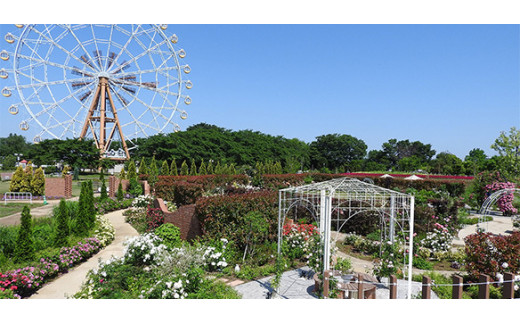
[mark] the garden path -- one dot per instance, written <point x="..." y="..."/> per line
<point x="365" y="266"/>
<point x="37" y="212"/>
<point x="499" y="225"/>
<point x="70" y="283"/>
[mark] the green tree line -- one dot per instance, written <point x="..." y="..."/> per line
<point x="204" y="146"/>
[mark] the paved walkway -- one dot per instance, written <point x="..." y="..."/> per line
<point x="499" y="225"/>
<point x="296" y="284"/>
<point x="37" y="212"/>
<point x="70" y="283"/>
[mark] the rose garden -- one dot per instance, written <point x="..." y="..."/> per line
<point x="200" y="232"/>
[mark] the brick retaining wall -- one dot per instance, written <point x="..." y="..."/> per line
<point x="59" y="186"/>
<point x="184" y="218"/>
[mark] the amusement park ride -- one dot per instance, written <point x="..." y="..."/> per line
<point x="67" y="76"/>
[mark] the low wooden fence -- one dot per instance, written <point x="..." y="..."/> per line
<point x="485" y="281"/>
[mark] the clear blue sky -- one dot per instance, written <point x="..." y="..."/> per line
<point x="453" y="86"/>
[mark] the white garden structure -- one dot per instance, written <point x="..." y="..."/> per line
<point x="488" y="204"/>
<point x="333" y="203"/>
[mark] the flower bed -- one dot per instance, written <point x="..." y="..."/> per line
<point x="25" y="281"/>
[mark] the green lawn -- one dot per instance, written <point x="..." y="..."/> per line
<point x="4" y="187"/>
<point x="13" y="207"/>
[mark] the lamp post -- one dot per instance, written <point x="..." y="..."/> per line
<point x="18" y="158"/>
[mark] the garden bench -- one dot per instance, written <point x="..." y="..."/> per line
<point x="17" y="196"/>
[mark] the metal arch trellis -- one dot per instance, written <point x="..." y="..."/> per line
<point x="336" y="201"/>
<point x="488" y="204"/>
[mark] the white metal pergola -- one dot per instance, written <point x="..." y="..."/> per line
<point x="333" y="203"/>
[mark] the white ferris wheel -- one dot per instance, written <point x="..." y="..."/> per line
<point x="111" y="83"/>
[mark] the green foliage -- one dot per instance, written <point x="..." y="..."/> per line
<point x="13" y="144"/>
<point x="38" y="182"/>
<point x="225" y="217"/>
<point x="165" y="170"/>
<point x="9" y="161"/>
<point x="24" y="248"/>
<point x="153" y="172"/>
<point x="255" y="231"/>
<point x="90" y="204"/>
<point x="202" y="168"/>
<point x="143" y="170"/>
<point x="422" y="263"/>
<point x="508" y="147"/>
<point x="81" y="221"/>
<point x="210" y="170"/>
<point x="120" y="195"/>
<point x="122" y="174"/>
<point x="61" y="237"/>
<point x="75" y="176"/>
<point x="170" y="235"/>
<point x="193" y="168"/>
<point x="184" y="168"/>
<point x="343" y="264"/>
<point x="134" y="187"/>
<point x="447" y="164"/>
<point x="103" y="195"/>
<point x="173" y="168"/>
<point x="82" y="153"/>
<point x="132" y="174"/>
<point x="25" y="185"/>
<point x="16" y="180"/>
<point x="335" y="150"/>
<point x="65" y="171"/>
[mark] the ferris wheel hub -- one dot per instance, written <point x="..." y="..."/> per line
<point x="103" y="74"/>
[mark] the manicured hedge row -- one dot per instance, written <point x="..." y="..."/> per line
<point x="454" y="187"/>
<point x="207" y="181"/>
<point x="222" y="216"/>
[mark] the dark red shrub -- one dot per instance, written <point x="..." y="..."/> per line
<point x="487" y="253"/>
<point x="154" y="219"/>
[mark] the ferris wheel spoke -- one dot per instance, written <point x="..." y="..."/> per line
<point x="97" y="47"/>
<point x="68" y="97"/>
<point x="42" y="83"/>
<point x="128" y="110"/>
<point x="144" y="85"/>
<point x="124" y="48"/>
<point x="169" y="68"/>
<point x="71" y="68"/>
<point x="57" y="45"/>
<point x="149" y="107"/>
<point x="135" y="58"/>
<point x="107" y="66"/>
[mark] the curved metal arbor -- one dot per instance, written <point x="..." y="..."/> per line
<point x="488" y="204"/>
<point x="333" y="203"/>
<point x="108" y="82"/>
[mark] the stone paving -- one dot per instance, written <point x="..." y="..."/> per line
<point x="296" y="284"/>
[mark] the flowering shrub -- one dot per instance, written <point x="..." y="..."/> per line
<point x="487" y="253"/>
<point x="438" y="240"/>
<point x="214" y="255"/>
<point x="154" y="219"/>
<point x="142" y="202"/>
<point x="298" y="239"/>
<point x="25" y="281"/>
<point x="362" y="245"/>
<point x="105" y="232"/>
<point x="143" y="250"/>
<point x="390" y="260"/>
<point x="505" y="202"/>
